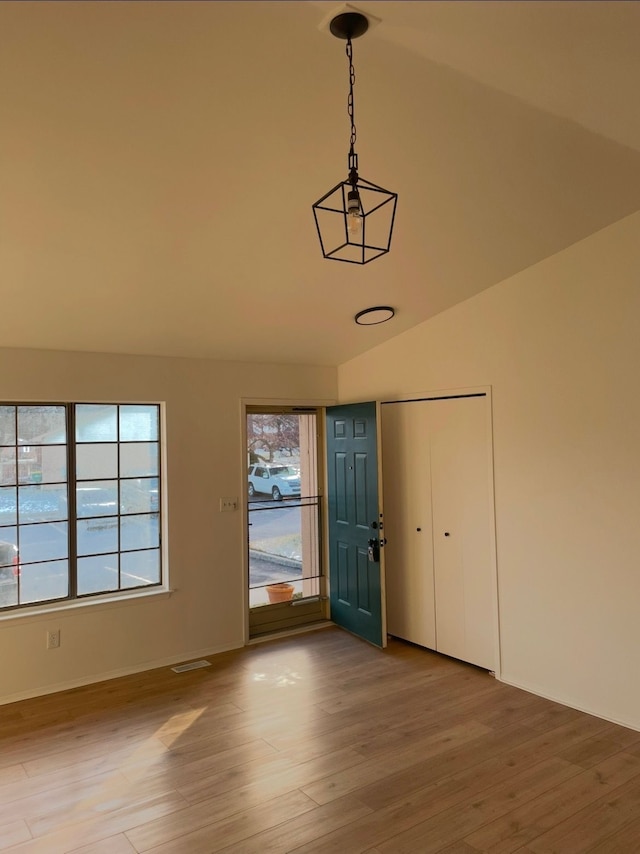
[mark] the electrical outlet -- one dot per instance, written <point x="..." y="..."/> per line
<point x="227" y="504"/>
<point x="53" y="639"/>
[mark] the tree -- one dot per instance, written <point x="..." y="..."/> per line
<point x="271" y="433"/>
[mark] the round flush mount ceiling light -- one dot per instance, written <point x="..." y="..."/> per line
<point x="374" y="315"/>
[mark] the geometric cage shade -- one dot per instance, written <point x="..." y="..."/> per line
<point x="372" y="238"/>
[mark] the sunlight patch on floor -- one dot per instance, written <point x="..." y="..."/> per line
<point x="177" y="724"/>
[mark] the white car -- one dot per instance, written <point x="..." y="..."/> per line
<point x="275" y="480"/>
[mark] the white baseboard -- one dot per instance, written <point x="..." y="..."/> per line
<point x="114" y="674"/>
<point x="635" y="725"/>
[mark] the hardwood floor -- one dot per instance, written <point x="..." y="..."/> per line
<point x="313" y="744"/>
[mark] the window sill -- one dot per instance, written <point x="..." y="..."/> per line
<point x="37" y="612"/>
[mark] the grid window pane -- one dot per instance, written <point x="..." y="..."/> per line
<point x="42" y="581"/>
<point x="139" y="495"/>
<point x="8" y="591"/>
<point x="96" y="422"/>
<point x="8" y="505"/>
<point x="8" y="550"/>
<point x="7" y="466"/>
<point x="42" y="503"/>
<point x="42" y="464"/>
<point x="97" y="498"/>
<point x="48" y="541"/>
<point x="9" y="567"/>
<point x="139" y="532"/>
<point x="97" y="536"/>
<point x="138" y="423"/>
<point x="140" y="568"/>
<point x="139" y="459"/>
<point x="97" y="574"/>
<point x="42" y="425"/>
<point x="7" y="425"/>
<point x="96" y="461"/>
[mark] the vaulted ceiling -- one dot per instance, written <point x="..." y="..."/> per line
<point x="158" y="162"/>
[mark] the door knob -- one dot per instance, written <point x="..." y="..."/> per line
<point x="447" y="534"/>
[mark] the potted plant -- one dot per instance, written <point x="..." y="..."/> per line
<point x="281" y="592"/>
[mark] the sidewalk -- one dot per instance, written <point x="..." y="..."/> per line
<point x="270" y="569"/>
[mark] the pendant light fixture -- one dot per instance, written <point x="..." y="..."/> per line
<point x="355" y="218"/>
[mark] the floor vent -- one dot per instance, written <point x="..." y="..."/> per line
<point x="194" y="665"/>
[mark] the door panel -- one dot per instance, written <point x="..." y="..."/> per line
<point x="356" y="582"/>
<point x="460" y="479"/>
<point x="408" y="553"/>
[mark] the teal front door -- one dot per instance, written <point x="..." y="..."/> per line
<point x="356" y="575"/>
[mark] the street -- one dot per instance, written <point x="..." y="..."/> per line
<point x="275" y="544"/>
<point x="270" y="518"/>
<point x="274" y="551"/>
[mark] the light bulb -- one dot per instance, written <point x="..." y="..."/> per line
<point x="354" y="224"/>
<point x="354" y="215"/>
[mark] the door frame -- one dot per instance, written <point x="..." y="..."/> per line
<point x="275" y="402"/>
<point x="487" y="391"/>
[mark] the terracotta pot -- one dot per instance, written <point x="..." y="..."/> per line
<point x="282" y="592"/>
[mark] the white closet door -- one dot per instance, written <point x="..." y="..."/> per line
<point x="462" y="517"/>
<point x="407" y="523"/>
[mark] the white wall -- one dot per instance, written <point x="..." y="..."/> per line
<point x="560" y="345"/>
<point x="205" y="462"/>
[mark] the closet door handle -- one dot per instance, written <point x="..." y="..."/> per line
<point x="447" y="534"/>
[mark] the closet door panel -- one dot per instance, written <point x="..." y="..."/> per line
<point x="461" y="511"/>
<point x="407" y="523"/>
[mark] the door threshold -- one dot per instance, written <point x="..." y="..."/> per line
<point x="285" y="633"/>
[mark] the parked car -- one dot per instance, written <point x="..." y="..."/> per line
<point x="274" y="480"/>
<point x="9" y="572"/>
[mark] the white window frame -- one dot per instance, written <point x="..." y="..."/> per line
<point x="73" y="599"/>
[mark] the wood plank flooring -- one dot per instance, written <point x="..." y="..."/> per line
<point x="314" y="744"/>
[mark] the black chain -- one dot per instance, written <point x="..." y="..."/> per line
<point x="352" y="80"/>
